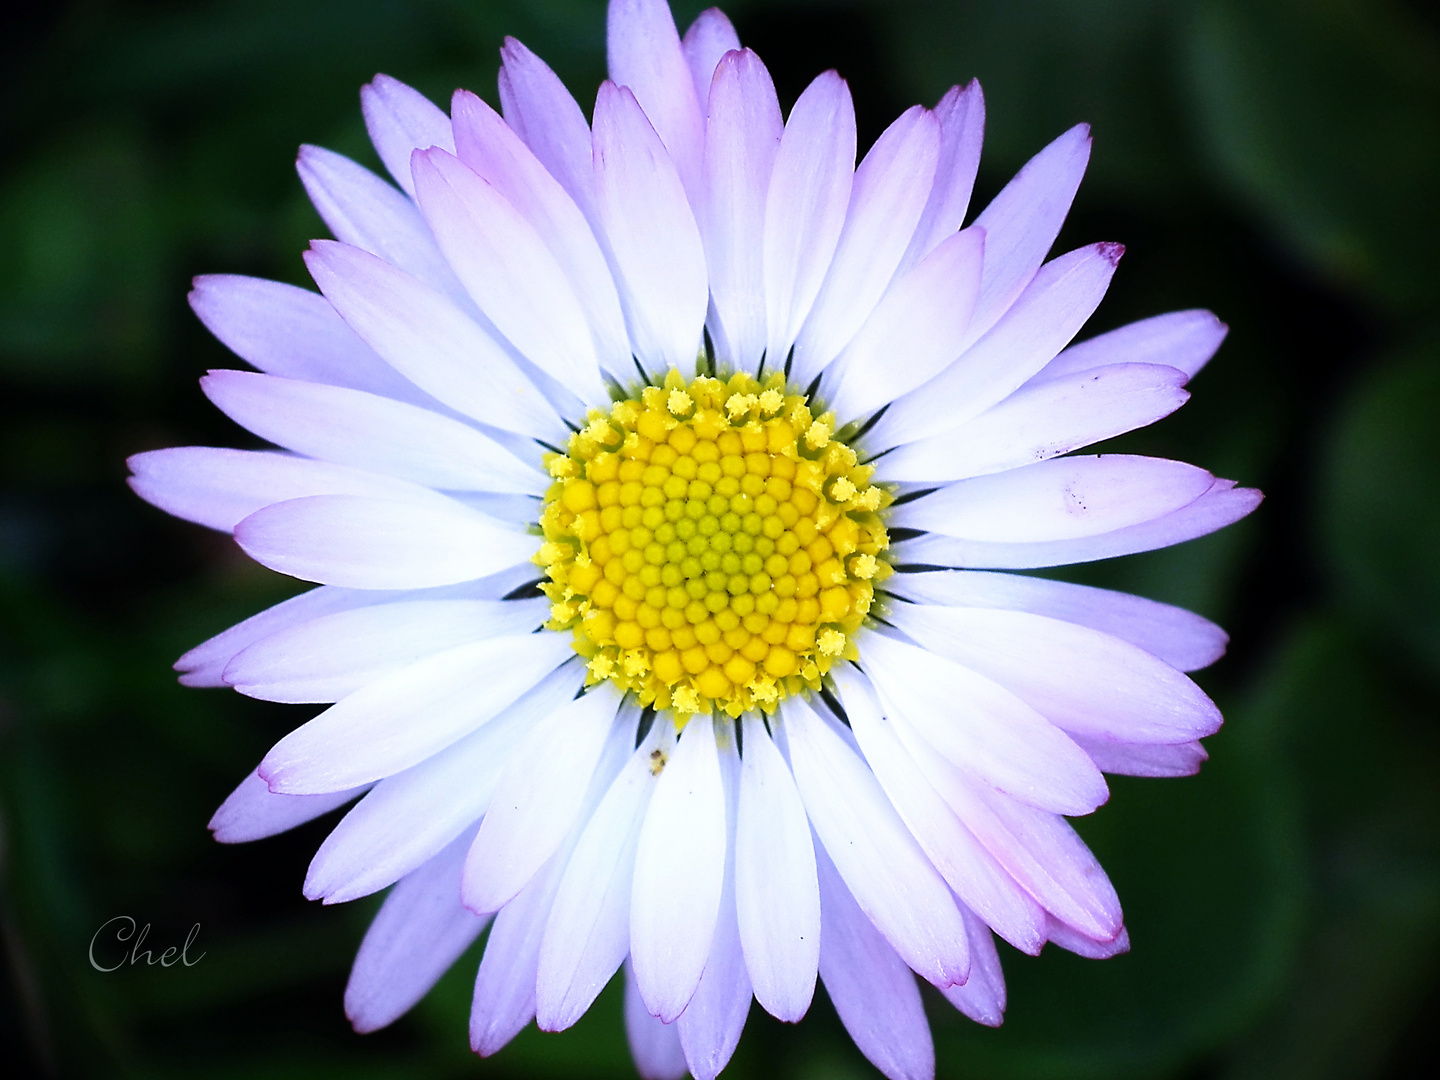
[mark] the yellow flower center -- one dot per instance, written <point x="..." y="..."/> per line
<point x="711" y="544"/>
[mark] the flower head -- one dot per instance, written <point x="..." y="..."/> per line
<point x="656" y="474"/>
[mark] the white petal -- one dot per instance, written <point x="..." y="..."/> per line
<point x="364" y="211"/>
<point x="654" y="1045"/>
<point x="805" y="207"/>
<point x="982" y="998"/>
<point x="870" y="986"/>
<point x="982" y="727"/>
<point x="658" y="258"/>
<point x="509" y="272"/>
<point x="588" y="934"/>
<point x="1041" y="420"/>
<point x="1061" y="499"/>
<point x="330" y="656"/>
<point x="1041" y="322"/>
<point x="915" y="331"/>
<point x="709" y="38"/>
<point x="1039" y="849"/>
<point x="963" y="862"/>
<point x="219" y="487"/>
<point x="1223" y="504"/>
<point x="1144" y="759"/>
<point x="679" y="870"/>
<point x="895" y="885"/>
<point x="425" y="337"/>
<point x="1181" y="339"/>
<point x="410" y="816"/>
<point x="1080" y="679"/>
<point x="294" y="333"/>
<point x="253" y="811"/>
<point x="1181" y="638"/>
<point x="540" y="793"/>
<point x="644" y="54"/>
<point x="351" y="427"/>
<point x="379" y="543"/>
<point x="418" y="933"/>
<point x="711" y="1024"/>
<point x="204" y="665"/>
<point x="536" y="104"/>
<point x="400" y="720"/>
<point x="1023" y="220"/>
<point x="962" y="128"/>
<point x="890" y="189"/>
<point x="742" y="137"/>
<point x="776" y="896"/>
<point x="497" y="154"/>
<point x="400" y="121"/>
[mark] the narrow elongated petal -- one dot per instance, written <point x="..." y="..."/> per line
<point x="294" y="333"/>
<point x="1072" y="940"/>
<point x="711" y="1024"/>
<point x="330" y="656"/>
<point x="253" y="811"/>
<point x="539" y="795"/>
<point x="1051" y="310"/>
<point x="805" y="207"/>
<point x="1224" y="504"/>
<point x="658" y="257"/>
<point x="536" y="104"/>
<point x="1061" y="499"/>
<point x="367" y="542"/>
<point x="1024" y="219"/>
<point x="895" y="885"/>
<point x="983" y="727"/>
<point x="870" y="986"/>
<point x="218" y="487"/>
<point x="679" y="870"/>
<point x="963" y="862"/>
<point x="430" y="341"/>
<point x="709" y="38"/>
<point x="1041" y="420"/>
<point x="962" y="128"/>
<point x="1181" y="638"/>
<point x="1039" y="849"/>
<point x="400" y="121"/>
<point x="1081" y="679"/>
<point x="364" y="211"/>
<point x="351" y="427"/>
<point x="588" y="935"/>
<point x="1144" y="759"/>
<point x="509" y="272"/>
<point x="401" y="720"/>
<point x="1182" y="339"/>
<point x="913" y="333"/>
<point x="420" y="931"/>
<point x="742" y="137"/>
<point x="982" y="998"/>
<point x="654" y="1044"/>
<point x="498" y="155"/>
<point x="205" y="664"/>
<point x="410" y="816"/>
<point x="891" y="187"/>
<point x="777" y="899"/>
<point x="643" y="50"/>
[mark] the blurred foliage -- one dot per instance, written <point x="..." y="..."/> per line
<point x="1274" y="160"/>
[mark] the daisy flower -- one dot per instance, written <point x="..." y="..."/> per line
<point x="657" y="473"/>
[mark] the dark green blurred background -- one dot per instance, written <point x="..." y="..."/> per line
<point x="1277" y="161"/>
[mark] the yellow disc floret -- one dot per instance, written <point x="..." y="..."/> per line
<point x="711" y="544"/>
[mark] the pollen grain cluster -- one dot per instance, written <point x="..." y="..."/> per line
<point x="711" y="544"/>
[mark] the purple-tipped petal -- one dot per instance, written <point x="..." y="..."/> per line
<point x="400" y="121"/>
<point x="654" y="1045"/>
<point x="1182" y="339"/>
<point x="709" y="38"/>
<point x="982" y="998"/>
<point x="1144" y="759"/>
<point x="418" y="933"/>
<point x="536" y="104"/>
<point x="961" y="113"/>
<point x="253" y="812"/>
